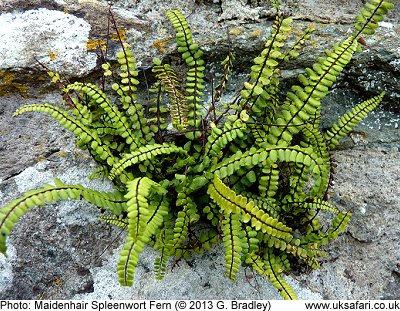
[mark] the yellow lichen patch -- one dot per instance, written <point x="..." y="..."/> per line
<point x="160" y="44"/>
<point x="8" y="85"/>
<point x="235" y="31"/>
<point x="93" y="44"/>
<point x="255" y="33"/>
<point x="52" y="54"/>
<point x="62" y="154"/>
<point x="119" y="35"/>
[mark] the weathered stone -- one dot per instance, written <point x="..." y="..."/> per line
<point x="57" y="251"/>
<point x="53" y="256"/>
<point x="29" y="138"/>
<point x="362" y="263"/>
<point x="150" y="34"/>
<point x="57" y="257"/>
<point x="56" y="39"/>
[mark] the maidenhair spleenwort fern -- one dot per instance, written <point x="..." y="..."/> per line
<point x="257" y="171"/>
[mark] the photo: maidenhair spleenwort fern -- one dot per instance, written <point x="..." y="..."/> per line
<point x="254" y="173"/>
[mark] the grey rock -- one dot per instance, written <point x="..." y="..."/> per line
<point x="28" y="138"/>
<point x="32" y="36"/>
<point x="53" y="256"/>
<point x="146" y="24"/>
<point x="55" y="251"/>
<point x="362" y="263"/>
<point x="200" y="277"/>
<point x="335" y="11"/>
<point x="61" y="251"/>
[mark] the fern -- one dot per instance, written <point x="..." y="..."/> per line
<point x="347" y="122"/>
<point x="231" y="229"/>
<point x="232" y="203"/>
<point x="144" y="220"/>
<point x="192" y="55"/>
<point x="170" y="81"/>
<point x="142" y="154"/>
<point x="10" y="214"/>
<point x="256" y="172"/>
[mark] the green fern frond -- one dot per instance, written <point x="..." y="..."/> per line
<point x="339" y="224"/>
<point x="293" y="51"/>
<point x="269" y="180"/>
<point x="272" y="266"/>
<point x="250" y="242"/>
<point x="267" y="204"/>
<point x="318" y="204"/>
<point x="186" y="216"/>
<point x="138" y="208"/>
<point x="115" y="117"/>
<point x="115" y="221"/>
<point x="80" y="130"/>
<point x="145" y="216"/>
<point x="157" y="121"/>
<point x="127" y="86"/>
<point x="303" y="102"/>
<point x="316" y="237"/>
<point x="178" y="103"/>
<point x="220" y="138"/>
<point x="255" y="93"/>
<point x="273" y="269"/>
<point x="129" y="258"/>
<point x="192" y="55"/>
<point x="250" y="158"/>
<point x="10" y="214"/>
<point x="314" y="138"/>
<point x="232" y="238"/>
<point x="142" y="154"/>
<point x="160" y="264"/>
<point x="295" y="154"/>
<point x="371" y="14"/>
<point x="345" y="124"/>
<point x="212" y="213"/>
<point x="230" y="202"/>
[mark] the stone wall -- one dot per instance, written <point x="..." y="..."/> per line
<point x="56" y="251"/>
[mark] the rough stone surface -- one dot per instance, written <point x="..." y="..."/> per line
<point x="42" y="34"/>
<point x="29" y="138"/>
<point x="59" y="256"/>
<point x="54" y="245"/>
<point x="364" y="263"/>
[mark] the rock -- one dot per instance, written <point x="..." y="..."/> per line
<point x="54" y="38"/>
<point x="55" y="250"/>
<point x="364" y="261"/>
<point x="201" y="277"/>
<point x="335" y="11"/>
<point x="63" y="30"/>
<point x="30" y="137"/>
<point x="44" y="270"/>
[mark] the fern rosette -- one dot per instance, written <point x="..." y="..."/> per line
<point x="254" y="174"/>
